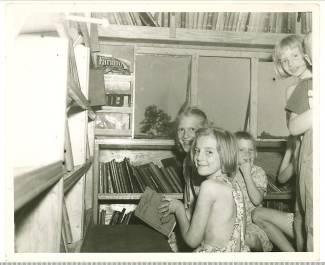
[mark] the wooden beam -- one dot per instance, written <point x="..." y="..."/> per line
<point x="194" y="79"/>
<point x="203" y="51"/>
<point x="29" y="185"/>
<point x="254" y="97"/>
<point x="184" y="35"/>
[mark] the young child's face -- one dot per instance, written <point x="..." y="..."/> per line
<point x="206" y="156"/>
<point x="187" y="127"/>
<point x="247" y="152"/>
<point x="293" y="61"/>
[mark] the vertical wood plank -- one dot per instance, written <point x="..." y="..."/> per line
<point x="75" y="207"/>
<point x="95" y="183"/>
<point x="254" y="96"/>
<point x="194" y="79"/>
<point x="38" y="225"/>
<point x="172" y="25"/>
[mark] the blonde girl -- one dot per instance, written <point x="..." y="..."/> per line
<point x="217" y="224"/>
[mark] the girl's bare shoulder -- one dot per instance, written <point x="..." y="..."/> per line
<point x="217" y="187"/>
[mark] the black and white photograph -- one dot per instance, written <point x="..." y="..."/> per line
<point x="163" y="131"/>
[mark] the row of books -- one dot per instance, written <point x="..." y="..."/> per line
<point x="145" y="212"/>
<point x="284" y="206"/>
<point x="117" y="217"/>
<point x="123" y="177"/>
<point x="276" y="22"/>
<point x="112" y="214"/>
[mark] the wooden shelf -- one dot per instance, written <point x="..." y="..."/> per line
<point x="112" y="132"/>
<point x="124" y="143"/>
<point x="71" y="178"/>
<point x="118" y="91"/>
<point x="278" y="196"/>
<point x="133" y="196"/>
<point x="115" y="109"/>
<point x="79" y="99"/>
<point x="189" y="36"/>
<point x="29" y="185"/>
<point x="267" y="145"/>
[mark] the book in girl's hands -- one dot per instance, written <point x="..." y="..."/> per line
<point x="147" y="211"/>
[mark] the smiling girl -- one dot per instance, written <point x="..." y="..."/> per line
<point x="217" y="224"/>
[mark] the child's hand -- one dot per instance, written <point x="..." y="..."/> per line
<point x="246" y="168"/>
<point x="168" y="206"/>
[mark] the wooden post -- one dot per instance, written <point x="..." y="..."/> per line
<point x="254" y="95"/>
<point x="194" y="79"/>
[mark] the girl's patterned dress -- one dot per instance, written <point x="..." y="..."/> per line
<point x="237" y="240"/>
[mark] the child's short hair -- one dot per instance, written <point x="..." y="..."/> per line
<point x="246" y="136"/>
<point x="291" y="41"/>
<point x="226" y="147"/>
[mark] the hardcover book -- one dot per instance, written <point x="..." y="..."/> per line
<point x="147" y="211"/>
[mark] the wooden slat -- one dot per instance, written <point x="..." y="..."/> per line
<point x="162" y="34"/>
<point x="122" y="143"/>
<point x="133" y="196"/>
<point x="178" y="48"/>
<point x="253" y="97"/>
<point x="172" y="29"/>
<point x="194" y="79"/>
<point x="278" y="196"/>
<point x="71" y="178"/>
<point x="112" y="132"/>
<point x="38" y="225"/>
<point x="202" y="51"/>
<point x="29" y="185"/>
<point x="95" y="182"/>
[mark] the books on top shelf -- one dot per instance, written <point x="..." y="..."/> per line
<point x="276" y="22"/>
<point x="147" y="211"/>
<point x="123" y="177"/>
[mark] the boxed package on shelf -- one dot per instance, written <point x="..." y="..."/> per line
<point x="112" y="120"/>
<point x="112" y="65"/>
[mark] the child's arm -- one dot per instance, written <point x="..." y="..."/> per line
<point x="298" y="124"/>
<point x="286" y="169"/>
<point x="193" y="233"/>
<point x="255" y="194"/>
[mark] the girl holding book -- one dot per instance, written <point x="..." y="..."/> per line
<point x="217" y="223"/>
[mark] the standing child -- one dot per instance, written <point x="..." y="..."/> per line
<point x="252" y="181"/>
<point x="218" y="223"/>
<point x="291" y="60"/>
<point x="300" y="123"/>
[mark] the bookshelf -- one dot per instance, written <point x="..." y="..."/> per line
<point x="52" y="157"/>
<point x="139" y="151"/>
